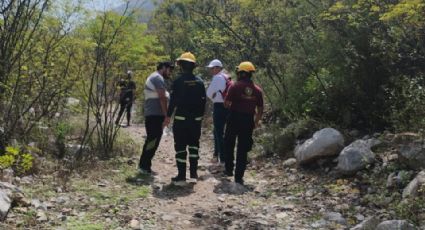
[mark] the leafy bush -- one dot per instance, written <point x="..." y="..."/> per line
<point x="282" y="140"/>
<point x="21" y="162"/>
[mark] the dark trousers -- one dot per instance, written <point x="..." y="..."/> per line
<point x="124" y="106"/>
<point x="219" y="118"/>
<point x="186" y="136"/>
<point x="154" y="133"/>
<point x="239" y="126"/>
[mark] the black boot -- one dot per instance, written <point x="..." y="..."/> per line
<point x="194" y="168"/>
<point x="180" y="179"/>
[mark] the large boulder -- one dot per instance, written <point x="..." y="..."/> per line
<point x="395" y="225"/>
<point x="413" y="154"/>
<point x="356" y="156"/>
<point x="324" y="143"/>
<point x="8" y="194"/>
<point x="413" y="188"/>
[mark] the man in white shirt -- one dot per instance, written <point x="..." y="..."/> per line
<point x="215" y="92"/>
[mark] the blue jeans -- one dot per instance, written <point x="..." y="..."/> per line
<point x="219" y="118"/>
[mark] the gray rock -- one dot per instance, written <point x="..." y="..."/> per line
<point x="234" y="188"/>
<point x="369" y="223"/>
<point x="8" y="194"/>
<point x="168" y="217"/>
<point x="62" y="200"/>
<point x="398" y="180"/>
<point x="38" y="204"/>
<point x="290" y="163"/>
<point x="355" y="157"/>
<point x="324" y="143"/>
<point x="413" y="154"/>
<point x="5" y="203"/>
<point x="335" y="217"/>
<point x="395" y="225"/>
<point x="413" y="187"/>
<point x="8" y="175"/>
<point x="41" y="216"/>
<point x="135" y="224"/>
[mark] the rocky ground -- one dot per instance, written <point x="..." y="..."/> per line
<point x="278" y="194"/>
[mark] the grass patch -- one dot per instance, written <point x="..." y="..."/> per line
<point x="84" y="225"/>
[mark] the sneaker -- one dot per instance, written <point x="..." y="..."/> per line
<point x="144" y="171"/>
<point x="193" y="178"/>
<point x="178" y="181"/>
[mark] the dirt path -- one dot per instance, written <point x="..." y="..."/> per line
<point x="112" y="195"/>
<point x="214" y="202"/>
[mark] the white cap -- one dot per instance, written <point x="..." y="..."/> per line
<point x="215" y="63"/>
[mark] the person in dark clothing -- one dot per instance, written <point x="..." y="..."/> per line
<point x="128" y="89"/>
<point x="155" y="110"/>
<point x="245" y="103"/>
<point x="187" y="103"/>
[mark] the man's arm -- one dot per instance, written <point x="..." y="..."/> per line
<point x="162" y="100"/>
<point x="212" y="88"/>
<point x="171" y="106"/>
<point x="258" y="116"/>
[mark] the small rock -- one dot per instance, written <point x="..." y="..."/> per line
<point x="38" y="205"/>
<point x="62" y="217"/>
<point x="8" y="175"/>
<point x="335" y="217"/>
<point x="41" y="216"/>
<point x="310" y="193"/>
<point x="167" y="217"/>
<point x="66" y="211"/>
<point x="221" y="198"/>
<point x="290" y="163"/>
<point x="360" y="217"/>
<point x="319" y="224"/>
<point x="62" y="200"/>
<point x="414" y="186"/>
<point x="134" y="224"/>
<point x="282" y="215"/>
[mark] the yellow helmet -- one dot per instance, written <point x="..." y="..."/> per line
<point x="188" y="56"/>
<point x="246" y="66"/>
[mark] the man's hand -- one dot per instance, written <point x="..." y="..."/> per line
<point x="257" y="124"/>
<point x="166" y="122"/>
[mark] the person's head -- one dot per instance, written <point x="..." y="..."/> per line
<point x="187" y="62"/>
<point x="245" y="70"/>
<point x="215" y="67"/>
<point x="129" y="74"/>
<point x="165" y="68"/>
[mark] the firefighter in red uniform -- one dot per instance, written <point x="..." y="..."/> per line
<point x="245" y="103"/>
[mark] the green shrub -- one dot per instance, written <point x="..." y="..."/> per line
<point x="21" y="162"/>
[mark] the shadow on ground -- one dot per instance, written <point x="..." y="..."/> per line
<point x="171" y="191"/>
<point x="140" y="180"/>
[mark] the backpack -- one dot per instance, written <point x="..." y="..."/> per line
<point x="228" y="84"/>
